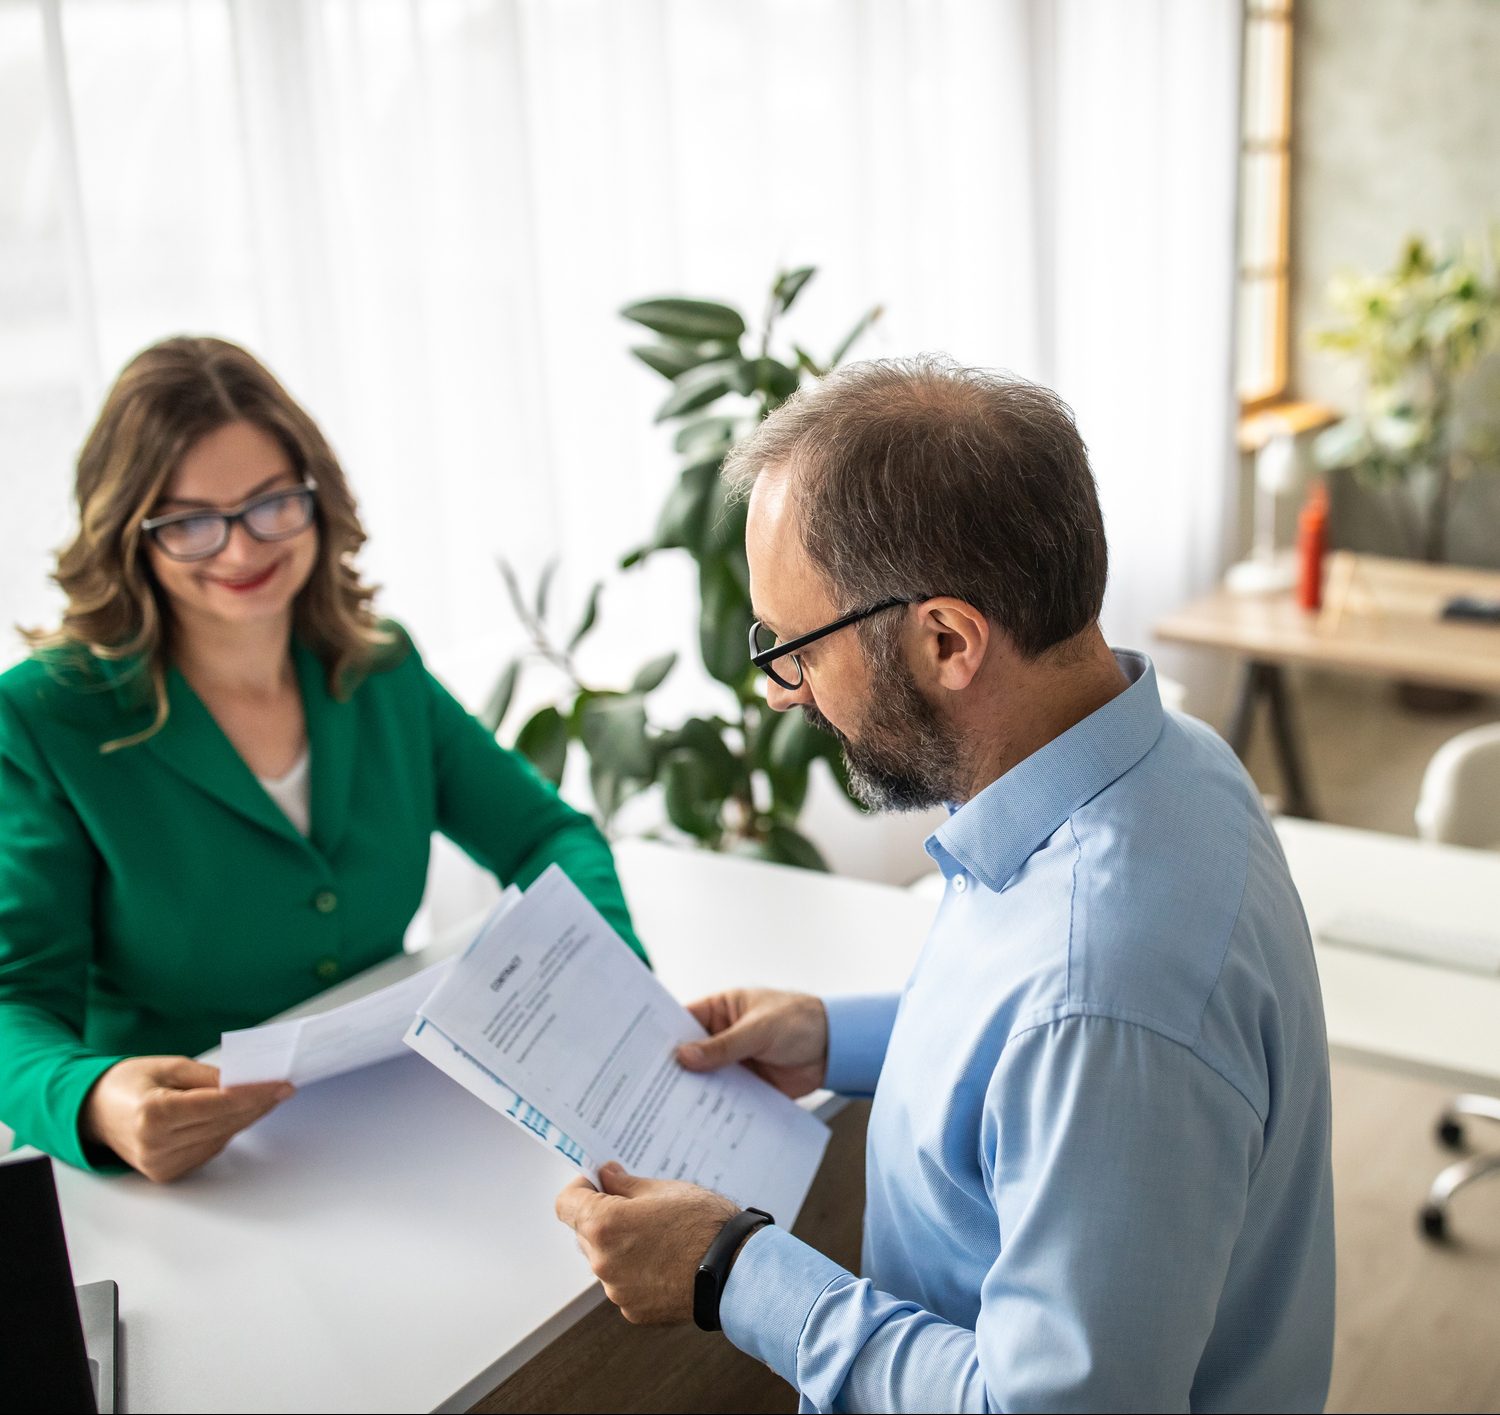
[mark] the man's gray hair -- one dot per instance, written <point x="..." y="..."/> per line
<point x="913" y="478"/>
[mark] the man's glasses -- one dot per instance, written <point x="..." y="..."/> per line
<point x="271" y="516"/>
<point x="787" y="670"/>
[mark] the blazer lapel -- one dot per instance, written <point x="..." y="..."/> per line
<point x="332" y="739"/>
<point x="195" y="747"/>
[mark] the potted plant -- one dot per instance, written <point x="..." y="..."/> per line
<point x="1417" y="331"/>
<point x="734" y="780"/>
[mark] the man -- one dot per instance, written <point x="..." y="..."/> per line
<point x="1098" y="1169"/>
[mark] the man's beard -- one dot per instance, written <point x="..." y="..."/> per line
<point x="906" y="758"/>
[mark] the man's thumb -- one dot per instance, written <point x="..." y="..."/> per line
<point x="614" y="1178"/>
<point x="736" y="1043"/>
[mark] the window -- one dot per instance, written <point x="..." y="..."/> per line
<point x="1265" y="189"/>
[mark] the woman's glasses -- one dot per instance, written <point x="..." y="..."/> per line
<point x="271" y="516"/>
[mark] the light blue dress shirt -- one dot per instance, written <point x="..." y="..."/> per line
<point x="1098" y="1170"/>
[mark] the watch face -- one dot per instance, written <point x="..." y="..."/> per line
<point x="706" y="1299"/>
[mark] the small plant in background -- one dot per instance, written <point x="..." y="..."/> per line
<point x="1417" y="331"/>
<point x="735" y="781"/>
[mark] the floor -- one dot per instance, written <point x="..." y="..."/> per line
<point x="1418" y="1325"/>
<point x="1365" y="752"/>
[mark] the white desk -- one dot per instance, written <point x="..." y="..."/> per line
<point x="384" y="1241"/>
<point x="1416" y="1015"/>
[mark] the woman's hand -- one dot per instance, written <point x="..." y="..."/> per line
<point x="166" y="1115"/>
<point x="782" y="1036"/>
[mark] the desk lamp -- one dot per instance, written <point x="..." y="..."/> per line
<point x="1267" y="570"/>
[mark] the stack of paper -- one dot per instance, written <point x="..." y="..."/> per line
<point x="307" y="1049"/>
<point x="551" y="1019"/>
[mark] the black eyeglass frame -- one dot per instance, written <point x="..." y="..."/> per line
<point x="764" y="658"/>
<point x="306" y="489"/>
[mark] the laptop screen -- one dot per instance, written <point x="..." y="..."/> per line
<point x="41" y="1339"/>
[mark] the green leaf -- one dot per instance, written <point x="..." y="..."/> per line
<point x="693" y="804"/>
<point x="653" y="674"/>
<point x="543" y="741"/>
<point x="795" y="743"/>
<point x="669" y="360"/>
<point x="706" y="437"/>
<point x="705" y="739"/>
<point x="807" y="362"/>
<point x="681" y="523"/>
<point x="632" y="558"/>
<point x="723" y="624"/>
<point x="611" y="790"/>
<point x="590" y="615"/>
<point x="498" y="703"/>
<point x="791" y="847"/>
<point x="791" y="744"/>
<point x="774" y="378"/>
<point x="854" y="336"/>
<point x="1342" y="445"/>
<point x="513" y="591"/>
<point x="613" y="729"/>
<point x="699" y="387"/>
<point x="788" y="793"/>
<point x="543" y="585"/>
<point x="723" y="528"/>
<point x="789" y="284"/>
<point x="687" y="319"/>
<point x="735" y="559"/>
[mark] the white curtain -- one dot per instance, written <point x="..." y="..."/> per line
<point x="424" y="214"/>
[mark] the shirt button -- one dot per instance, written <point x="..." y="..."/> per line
<point x="960" y="883"/>
<point x="325" y="901"/>
<point x="327" y="969"/>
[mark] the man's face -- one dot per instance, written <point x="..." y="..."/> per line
<point x="900" y="754"/>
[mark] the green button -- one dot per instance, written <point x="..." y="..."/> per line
<point x="325" y="901"/>
<point x="327" y="969"/>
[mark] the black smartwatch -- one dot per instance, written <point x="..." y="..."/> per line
<point x="713" y="1271"/>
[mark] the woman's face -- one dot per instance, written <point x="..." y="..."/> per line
<point x="248" y="581"/>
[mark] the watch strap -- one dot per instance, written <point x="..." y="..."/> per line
<point x="713" y="1271"/>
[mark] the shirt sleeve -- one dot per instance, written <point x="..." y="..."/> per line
<point x="492" y="803"/>
<point x="859" y="1031"/>
<point x="47" y="871"/>
<point x="1119" y="1166"/>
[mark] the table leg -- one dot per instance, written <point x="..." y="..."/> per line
<point x="1288" y="750"/>
<point x="1267" y="680"/>
<point x="1243" y="717"/>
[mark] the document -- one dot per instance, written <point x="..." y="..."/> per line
<point x="306" y="1049"/>
<point x="550" y="1019"/>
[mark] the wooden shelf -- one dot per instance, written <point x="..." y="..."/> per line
<point x="1258" y="427"/>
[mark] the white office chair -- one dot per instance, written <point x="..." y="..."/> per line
<point x="1459" y="804"/>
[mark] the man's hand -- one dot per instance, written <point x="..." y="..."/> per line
<point x="166" y="1115"/>
<point x="782" y="1036"/>
<point x="644" y="1239"/>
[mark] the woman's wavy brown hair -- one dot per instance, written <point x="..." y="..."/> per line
<point x="165" y="399"/>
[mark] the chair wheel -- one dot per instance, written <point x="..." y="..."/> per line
<point x="1434" y="1222"/>
<point x="1450" y="1133"/>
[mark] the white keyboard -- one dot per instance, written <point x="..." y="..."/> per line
<point x="1473" y="950"/>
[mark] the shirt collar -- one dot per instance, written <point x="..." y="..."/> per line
<point x="995" y="833"/>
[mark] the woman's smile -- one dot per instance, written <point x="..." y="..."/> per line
<point x="246" y="584"/>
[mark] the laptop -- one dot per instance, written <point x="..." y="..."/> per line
<point x="58" y="1343"/>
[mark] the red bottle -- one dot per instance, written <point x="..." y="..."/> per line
<point x="1312" y="547"/>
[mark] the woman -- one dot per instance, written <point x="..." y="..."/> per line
<point x="220" y="776"/>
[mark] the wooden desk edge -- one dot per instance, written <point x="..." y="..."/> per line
<point x="1329" y="656"/>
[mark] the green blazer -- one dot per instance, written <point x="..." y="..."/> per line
<point x="152" y="897"/>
